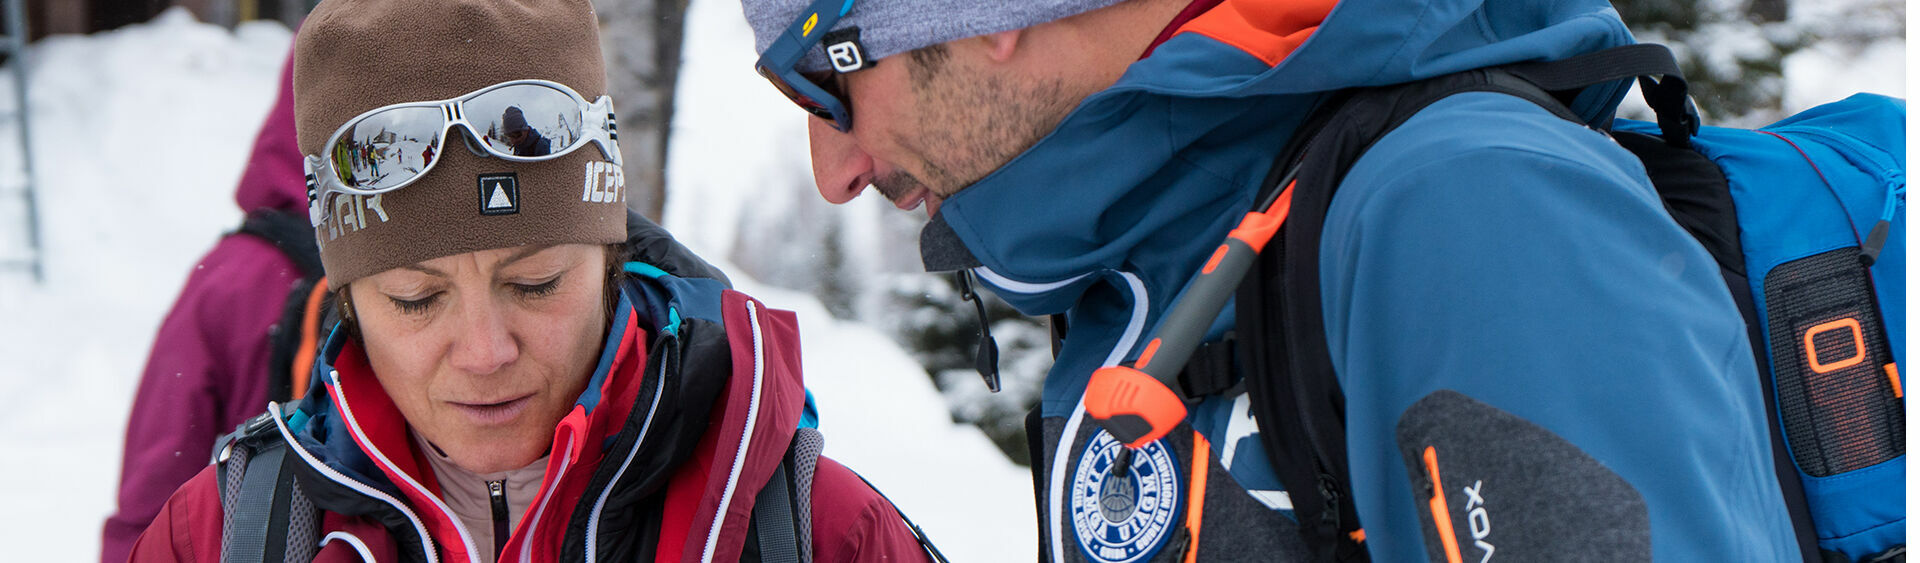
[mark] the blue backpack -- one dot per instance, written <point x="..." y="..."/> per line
<point x="1806" y="218"/>
<point x="1820" y="206"/>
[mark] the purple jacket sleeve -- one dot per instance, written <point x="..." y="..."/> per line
<point x="207" y="372"/>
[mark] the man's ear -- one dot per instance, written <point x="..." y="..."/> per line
<point x="1001" y="45"/>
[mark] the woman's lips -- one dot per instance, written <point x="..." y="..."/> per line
<point x="494" y="413"/>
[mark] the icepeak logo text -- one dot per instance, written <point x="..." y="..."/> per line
<point x="605" y="183"/>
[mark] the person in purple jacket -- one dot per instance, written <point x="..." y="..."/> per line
<point x="207" y="371"/>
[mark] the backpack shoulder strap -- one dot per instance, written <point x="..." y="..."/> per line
<point x="782" y="524"/>
<point x="265" y="513"/>
<point x="292" y="234"/>
<point x="293" y="341"/>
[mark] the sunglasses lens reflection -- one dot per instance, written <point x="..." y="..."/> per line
<point x="387" y="148"/>
<point x="526" y="119"/>
<point x="805" y="102"/>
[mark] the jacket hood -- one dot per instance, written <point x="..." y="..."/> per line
<point x="1142" y="180"/>
<point x="274" y="177"/>
<point x="1200" y="120"/>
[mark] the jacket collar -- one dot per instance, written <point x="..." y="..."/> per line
<point x="351" y="427"/>
<point x="635" y="430"/>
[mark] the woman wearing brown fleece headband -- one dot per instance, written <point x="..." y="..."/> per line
<point x="503" y="388"/>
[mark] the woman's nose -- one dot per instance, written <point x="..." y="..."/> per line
<point x="841" y="169"/>
<point x="484" y="343"/>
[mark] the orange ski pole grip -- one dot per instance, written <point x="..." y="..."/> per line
<point x="1133" y="406"/>
<point x="1141" y="403"/>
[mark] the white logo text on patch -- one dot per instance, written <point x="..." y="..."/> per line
<point x="1124" y="516"/>
<point x="349" y="213"/>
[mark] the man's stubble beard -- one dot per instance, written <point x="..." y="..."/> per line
<point x="970" y="123"/>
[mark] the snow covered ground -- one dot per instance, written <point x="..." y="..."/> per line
<point x="140" y="135"/>
<point x="139" y="139"/>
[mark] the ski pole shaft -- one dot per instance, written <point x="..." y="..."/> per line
<point x="1141" y="403"/>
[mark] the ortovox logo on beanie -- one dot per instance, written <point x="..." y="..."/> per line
<point x="891" y="27"/>
<point x="844" y="49"/>
<point x="352" y="56"/>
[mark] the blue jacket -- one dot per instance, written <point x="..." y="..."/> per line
<point x="1486" y="247"/>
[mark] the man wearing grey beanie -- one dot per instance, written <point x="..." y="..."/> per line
<point x="1467" y="388"/>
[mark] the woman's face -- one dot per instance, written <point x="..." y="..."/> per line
<point x="484" y="352"/>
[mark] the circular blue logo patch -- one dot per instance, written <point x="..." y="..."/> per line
<point x="1124" y="516"/>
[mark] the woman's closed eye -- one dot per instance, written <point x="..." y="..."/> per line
<point x="536" y="290"/>
<point x="414" y="306"/>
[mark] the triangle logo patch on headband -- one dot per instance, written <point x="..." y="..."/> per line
<point x="844" y="49"/>
<point x="499" y="194"/>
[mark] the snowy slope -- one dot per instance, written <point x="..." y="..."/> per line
<point x="139" y="138"/>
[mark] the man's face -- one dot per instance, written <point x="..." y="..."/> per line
<point x="930" y="122"/>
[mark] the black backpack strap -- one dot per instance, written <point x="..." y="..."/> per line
<point x="1210" y="370"/>
<point x="781" y="529"/>
<point x="1678" y="117"/>
<point x="266" y="514"/>
<point x="773" y="519"/>
<point x="293" y="235"/>
<point x="1037" y="464"/>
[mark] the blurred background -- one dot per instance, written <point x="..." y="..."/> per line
<point x="124" y="125"/>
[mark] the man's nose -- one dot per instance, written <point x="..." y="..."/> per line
<point x="840" y="169"/>
<point x="483" y="343"/>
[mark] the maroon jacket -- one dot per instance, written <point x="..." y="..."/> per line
<point x="693" y="431"/>
<point x="207" y="371"/>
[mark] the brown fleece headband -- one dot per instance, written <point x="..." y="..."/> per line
<point x="356" y="55"/>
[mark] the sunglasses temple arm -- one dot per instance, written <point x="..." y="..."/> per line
<point x="607" y="136"/>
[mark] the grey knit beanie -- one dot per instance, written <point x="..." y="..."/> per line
<point x="891" y="27"/>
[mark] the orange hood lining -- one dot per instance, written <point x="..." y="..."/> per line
<point x="1268" y="30"/>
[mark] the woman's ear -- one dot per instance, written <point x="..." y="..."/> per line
<point x="343" y="307"/>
